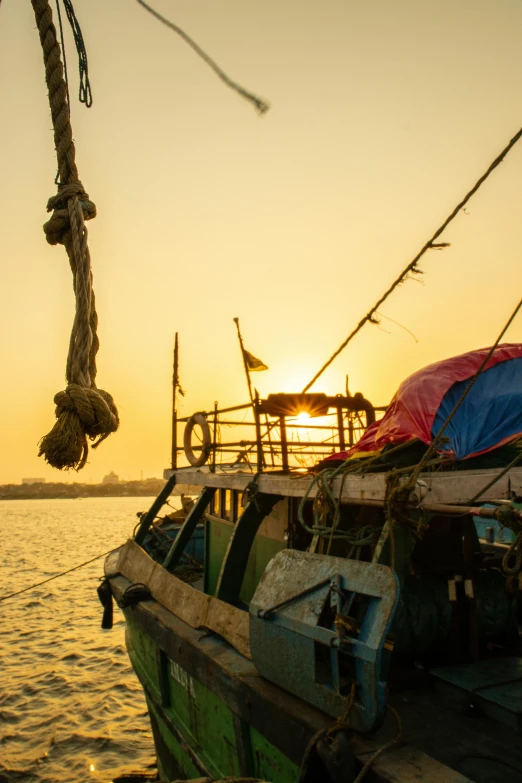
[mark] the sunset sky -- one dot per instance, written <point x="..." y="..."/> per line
<point x="383" y="116"/>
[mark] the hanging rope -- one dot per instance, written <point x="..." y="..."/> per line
<point x="62" y="44"/>
<point x="412" y="267"/>
<point x="261" y="106"/>
<point x="82" y="410"/>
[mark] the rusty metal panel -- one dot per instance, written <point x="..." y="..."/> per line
<point x="318" y="624"/>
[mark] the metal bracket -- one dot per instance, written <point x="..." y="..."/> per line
<point x="307" y="640"/>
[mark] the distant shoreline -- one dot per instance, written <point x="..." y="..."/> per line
<point x="55" y="491"/>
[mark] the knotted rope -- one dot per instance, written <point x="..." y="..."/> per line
<point x="327" y="508"/>
<point x="82" y="410"/>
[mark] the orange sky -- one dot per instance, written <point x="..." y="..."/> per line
<point x="383" y="115"/>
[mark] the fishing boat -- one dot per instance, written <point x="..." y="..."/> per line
<point x="339" y="597"/>
<point x="294" y="624"/>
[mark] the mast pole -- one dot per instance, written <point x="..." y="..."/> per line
<point x="175" y="384"/>
<point x="245" y="365"/>
<point x="254" y="402"/>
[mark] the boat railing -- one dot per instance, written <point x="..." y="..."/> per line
<point x="282" y="432"/>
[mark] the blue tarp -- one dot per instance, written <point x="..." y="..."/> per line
<point x="490" y="414"/>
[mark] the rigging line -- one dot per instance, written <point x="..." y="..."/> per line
<point x="493" y="481"/>
<point x="50" y="579"/>
<point x="85" y="93"/>
<point x="438" y="437"/>
<point x="412" y="266"/>
<point x="261" y="106"/>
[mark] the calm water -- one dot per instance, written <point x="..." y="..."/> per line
<point x="71" y="708"/>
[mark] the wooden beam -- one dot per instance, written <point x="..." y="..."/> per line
<point x="432" y="488"/>
<point x="236" y="558"/>
<point x="195" y="608"/>
<point x="188" y="527"/>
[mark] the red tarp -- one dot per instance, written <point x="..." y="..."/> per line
<point x="413" y="409"/>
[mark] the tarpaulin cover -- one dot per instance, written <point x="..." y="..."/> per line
<point x="490" y="415"/>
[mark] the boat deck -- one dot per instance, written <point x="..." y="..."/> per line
<point x="444" y="740"/>
<point x="447" y="727"/>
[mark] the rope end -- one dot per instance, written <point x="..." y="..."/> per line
<point x="81" y="413"/>
<point x="65" y="446"/>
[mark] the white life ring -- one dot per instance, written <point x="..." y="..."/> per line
<point x="200" y="420"/>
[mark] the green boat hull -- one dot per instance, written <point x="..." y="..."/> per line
<point x="195" y="732"/>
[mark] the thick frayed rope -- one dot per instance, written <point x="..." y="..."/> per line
<point x="82" y="411"/>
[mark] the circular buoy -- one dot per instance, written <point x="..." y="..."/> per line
<point x="200" y="420"/>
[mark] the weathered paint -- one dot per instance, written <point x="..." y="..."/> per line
<point x="199" y="731"/>
<point x="285" y="615"/>
<point x="450" y="487"/>
<point x="269" y="762"/>
<point x="218" y="534"/>
<point x="194" y="607"/>
<point x="284" y="723"/>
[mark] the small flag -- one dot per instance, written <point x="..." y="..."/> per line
<point x="253" y="364"/>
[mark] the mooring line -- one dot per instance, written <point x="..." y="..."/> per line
<point x="63" y="573"/>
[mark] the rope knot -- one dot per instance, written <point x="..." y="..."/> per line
<point x="58" y="227"/>
<point x="95" y="409"/>
<point x="81" y="413"/>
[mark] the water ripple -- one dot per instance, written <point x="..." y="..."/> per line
<point x="70" y="705"/>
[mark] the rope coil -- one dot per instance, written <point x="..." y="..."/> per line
<point x="327" y="506"/>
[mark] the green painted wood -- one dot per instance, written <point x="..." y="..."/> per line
<point x="243" y="746"/>
<point x="170" y="752"/>
<point x="262" y="551"/>
<point x="270" y="763"/>
<point x="187" y="529"/>
<point x="196" y="717"/>
<point x="217" y="537"/>
<point x="235" y="562"/>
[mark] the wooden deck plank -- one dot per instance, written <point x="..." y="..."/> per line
<point x="450" y="487"/>
<point x="406" y="764"/>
